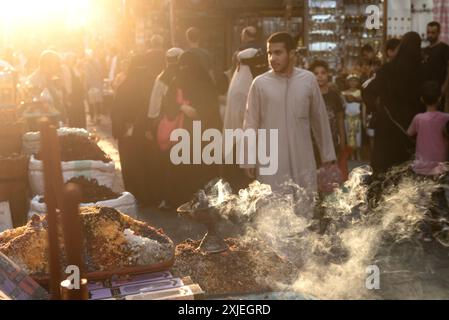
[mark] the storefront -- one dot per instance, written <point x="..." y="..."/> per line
<point x="221" y="21"/>
<point x="413" y="15"/>
<point x="269" y="17"/>
<point x="337" y="30"/>
<point x="333" y="30"/>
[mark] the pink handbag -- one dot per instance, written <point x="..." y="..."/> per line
<point x="167" y="126"/>
<point x="329" y="178"/>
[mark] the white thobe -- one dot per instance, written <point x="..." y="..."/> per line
<point x="295" y="107"/>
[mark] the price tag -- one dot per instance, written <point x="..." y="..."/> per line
<point x="5" y="216"/>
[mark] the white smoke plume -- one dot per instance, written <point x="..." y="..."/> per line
<point x="334" y="265"/>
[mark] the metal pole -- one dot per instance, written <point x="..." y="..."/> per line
<point x="385" y="16"/>
<point x="172" y="23"/>
<point x="73" y="238"/>
<point x="47" y="139"/>
<point x="288" y="14"/>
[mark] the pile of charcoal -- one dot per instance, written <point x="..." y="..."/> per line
<point x="92" y="192"/>
<point x="75" y="147"/>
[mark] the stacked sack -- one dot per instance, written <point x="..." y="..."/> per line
<point x="80" y="157"/>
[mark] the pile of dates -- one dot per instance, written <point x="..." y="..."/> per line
<point x="92" y="192"/>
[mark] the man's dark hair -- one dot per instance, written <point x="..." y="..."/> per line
<point x="392" y="44"/>
<point x="319" y="63"/>
<point x="435" y="24"/>
<point x="193" y="35"/>
<point x="430" y="93"/>
<point x="283" y="37"/>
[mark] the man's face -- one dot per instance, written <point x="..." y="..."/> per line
<point x="322" y="76"/>
<point x="432" y="34"/>
<point x="279" y="58"/>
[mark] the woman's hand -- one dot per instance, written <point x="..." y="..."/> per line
<point x="189" y="111"/>
<point x="129" y="128"/>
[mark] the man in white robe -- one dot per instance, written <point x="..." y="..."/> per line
<point x="238" y="91"/>
<point x="289" y="99"/>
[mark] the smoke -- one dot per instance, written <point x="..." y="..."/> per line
<point x="333" y="264"/>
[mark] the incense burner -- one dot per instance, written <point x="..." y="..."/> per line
<point x="202" y="211"/>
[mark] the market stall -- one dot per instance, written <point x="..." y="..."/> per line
<point x="100" y="242"/>
<point x="337" y="31"/>
<point x="123" y="258"/>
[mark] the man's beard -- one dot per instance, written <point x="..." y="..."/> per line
<point x="285" y="68"/>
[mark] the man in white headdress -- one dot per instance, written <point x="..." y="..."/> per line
<point x="239" y="89"/>
<point x="250" y="63"/>
<point x="162" y="82"/>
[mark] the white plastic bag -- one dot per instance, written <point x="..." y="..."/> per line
<point x="103" y="172"/>
<point x="5" y="216"/>
<point x="126" y="204"/>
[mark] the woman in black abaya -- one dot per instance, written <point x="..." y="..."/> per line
<point x="138" y="161"/>
<point x="395" y="96"/>
<point x="201" y="103"/>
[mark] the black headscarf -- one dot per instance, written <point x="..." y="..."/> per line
<point x="133" y="95"/>
<point x="199" y="89"/>
<point x="169" y="73"/>
<point x="192" y="75"/>
<point x="409" y="53"/>
<point x="403" y="78"/>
